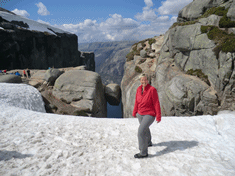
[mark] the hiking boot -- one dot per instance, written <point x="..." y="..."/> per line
<point x="138" y="155"/>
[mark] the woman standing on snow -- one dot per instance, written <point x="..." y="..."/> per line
<point x="146" y="108"/>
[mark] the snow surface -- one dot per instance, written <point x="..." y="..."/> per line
<point x="33" y="25"/>
<point x="36" y="143"/>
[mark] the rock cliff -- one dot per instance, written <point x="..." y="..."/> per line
<point x="28" y="44"/>
<point x="194" y="73"/>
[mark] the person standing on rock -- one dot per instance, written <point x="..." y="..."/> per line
<point x="146" y="108"/>
<point x="24" y="73"/>
<point x="28" y="72"/>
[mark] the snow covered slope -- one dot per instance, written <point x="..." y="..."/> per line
<point x="33" y="25"/>
<point x="36" y="143"/>
<point x="33" y="143"/>
<point x="22" y="96"/>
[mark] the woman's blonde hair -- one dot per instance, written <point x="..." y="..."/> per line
<point x="145" y="75"/>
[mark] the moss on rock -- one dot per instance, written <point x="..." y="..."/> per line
<point x="130" y="56"/>
<point x="183" y="23"/>
<point x="80" y="113"/>
<point x="138" y="69"/>
<point x="199" y="74"/>
<point x="142" y="61"/>
<point x="220" y="11"/>
<point x="225" y="22"/>
<point x="151" y="41"/>
<point x="225" y="42"/>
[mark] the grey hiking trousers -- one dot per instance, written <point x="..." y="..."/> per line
<point x="144" y="135"/>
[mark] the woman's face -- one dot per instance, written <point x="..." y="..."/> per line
<point x="143" y="81"/>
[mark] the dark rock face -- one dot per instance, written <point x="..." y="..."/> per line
<point x="113" y="94"/>
<point x="28" y="49"/>
<point x="88" y="60"/>
<point x="29" y="44"/>
<point x="51" y="75"/>
<point x="9" y="78"/>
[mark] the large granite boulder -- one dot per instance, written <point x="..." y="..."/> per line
<point x="143" y="53"/>
<point x="37" y="78"/>
<point x="196" y="8"/>
<point x="231" y="11"/>
<point x="82" y="88"/>
<point x="113" y="94"/>
<point x="181" y="94"/>
<point x="10" y="78"/>
<point x="51" y="75"/>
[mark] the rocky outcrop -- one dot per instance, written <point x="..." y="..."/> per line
<point x="51" y="75"/>
<point x="82" y="89"/>
<point x="10" y="78"/>
<point x="135" y="66"/>
<point x="231" y="10"/>
<point x="194" y="73"/>
<point x="88" y="60"/>
<point x="28" y="44"/>
<point x="113" y="94"/>
<point x="197" y="8"/>
<point x="37" y="78"/>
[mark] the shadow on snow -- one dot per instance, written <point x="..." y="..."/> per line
<point x="172" y="146"/>
<point x="7" y="155"/>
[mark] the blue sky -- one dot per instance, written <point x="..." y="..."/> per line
<point x="102" y="20"/>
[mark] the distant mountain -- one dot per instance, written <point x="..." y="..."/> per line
<point x="110" y="58"/>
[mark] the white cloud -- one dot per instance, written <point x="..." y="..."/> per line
<point x="148" y="3"/>
<point x="43" y="22"/>
<point x="117" y="22"/>
<point x="23" y="13"/>
<point x="117" y="27"/>
<point x="163" y="18"/>
<point x="174" y="19"/>
<point x="148" y="13"/>
<point x="172" y="7"/>
<point x="114" y="28"/>
<point x="42" y="10"/>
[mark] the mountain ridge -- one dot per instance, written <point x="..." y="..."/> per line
<point x="110" y="58"/>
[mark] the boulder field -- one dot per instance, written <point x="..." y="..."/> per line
<point x="73" y="91"/>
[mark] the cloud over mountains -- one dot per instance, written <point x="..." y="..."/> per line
<point x="148" y="23"/>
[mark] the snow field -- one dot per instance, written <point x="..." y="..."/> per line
<point x="37" y="143"/>
<point x="49" y="144"/>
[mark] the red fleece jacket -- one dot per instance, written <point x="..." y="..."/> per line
<point x="147" y="103"/>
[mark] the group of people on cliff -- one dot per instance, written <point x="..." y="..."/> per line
<point x="26" y="73"/>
